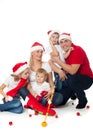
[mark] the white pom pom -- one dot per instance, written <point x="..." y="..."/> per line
<point x="26" y="100"/>
<point x="30" y="111"/>
<point x="10" y="98"/>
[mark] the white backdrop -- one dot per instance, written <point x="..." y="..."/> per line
<point x="24" y="21"/>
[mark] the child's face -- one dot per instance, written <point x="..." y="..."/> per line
<point x="54" y="38"/>
<point x="25" y="74"/>
<point x="40" y="77"/>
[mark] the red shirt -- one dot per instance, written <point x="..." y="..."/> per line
<point x="78" y="56"/>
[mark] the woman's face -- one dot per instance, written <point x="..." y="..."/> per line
<point x="37" y="55"/>
<point x="65" y="44"/>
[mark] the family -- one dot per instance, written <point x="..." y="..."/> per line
<point x="34" y="82"/>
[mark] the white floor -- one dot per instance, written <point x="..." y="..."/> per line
<point x="67" y="118"/>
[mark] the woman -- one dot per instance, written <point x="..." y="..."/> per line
<point x="79" y="75"/>
<point x="37" y="50"/>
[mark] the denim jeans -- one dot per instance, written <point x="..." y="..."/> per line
<point x="58" y="82"/>
<point x="43" y="101"/>
<point x="57" y="97"/>
<point x="14" y="106"/>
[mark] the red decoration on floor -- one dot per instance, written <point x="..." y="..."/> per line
<point x="10" y="123"/>
<point x="30" y="115"/>
<point x="87" y="106"/>
<point x="72" y="103"/>
<point x="78" y="114"/>
<point x="36" y="113"/>
<point x="56" y="116"/>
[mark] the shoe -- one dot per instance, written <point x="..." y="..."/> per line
<point x="73" y="96"/>
<point x="82" y="104"/>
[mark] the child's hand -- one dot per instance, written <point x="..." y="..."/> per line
<point x="8" y="98"/>
<point x="39" y="98"/>
<point x="71" y="49"/>
<point x="43" y="93"/>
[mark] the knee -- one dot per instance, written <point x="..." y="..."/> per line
<point x="57" y="99"/>
<point x="17" y="103"/>
<point x="23" y="92"/>
<point x="19" y="110"/>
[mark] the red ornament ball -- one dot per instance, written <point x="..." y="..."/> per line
<point x="78" y="113"/>
<point x="87" y="106"/>
<point x="30" y="115"/>
<point x="36" y="113"/>
<point x="10" y="123"/>
<point x="56" y="116"/>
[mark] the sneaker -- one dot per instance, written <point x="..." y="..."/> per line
<point x="82" y="104"/>
<point x="73" y="96"/>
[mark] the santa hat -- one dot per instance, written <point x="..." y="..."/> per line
<point x="37" y="46"/>
<point x="65" y="36"/>
<point x="50" y="32"/>
<point x="19" y="67"/>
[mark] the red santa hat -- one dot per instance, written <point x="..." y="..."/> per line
<point x="37" y="46"/>
<point x="50" y="32"/>
<point x="65" y="36"/>
<point x="19" y="67"/>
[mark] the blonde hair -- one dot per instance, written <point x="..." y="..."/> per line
<point x="42" y="71"/>
<point x="31" y="60"/>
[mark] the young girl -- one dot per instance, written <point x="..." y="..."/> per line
<point x="57" y="51"/>
<point x="40" y="87"/>
<point x="19" y="78"/>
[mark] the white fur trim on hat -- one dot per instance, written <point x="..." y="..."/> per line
<point x="65" y="36"/>
<point x="52" y="32"/>
<point x="21" y="69"/>
<point x="36" y="48"/>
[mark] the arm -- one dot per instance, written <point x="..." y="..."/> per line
<point x="31" y="90"/>
<point x="51" y="83"/>
<point x="54" y="50"/>
<point x="1" y="90"/>
<point x="56" y="69"/>
<point x="7" y="98"/>
<point x="71" y="69"/>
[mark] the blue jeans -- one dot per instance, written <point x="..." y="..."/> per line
<point x="43" y="101"/>
<point x="57" y="97"/>
<point x="14" y="106"/>
<point x="58" y="82"/>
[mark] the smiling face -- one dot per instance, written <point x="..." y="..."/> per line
<point x="65" y="44"/>
<point x="40" y="77"/>
<point x="54" y="38"/>
<point x="37" y="55"/>
<point x="25" y="74"/>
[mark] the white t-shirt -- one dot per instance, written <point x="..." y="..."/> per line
<point x="39" y="88"/>
<point x="60" y="51"/>
<point x="10" y="83"/>
<point x="46" y="66"/>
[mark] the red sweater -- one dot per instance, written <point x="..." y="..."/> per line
<point x="15" y="90"/>
<point x="78" y="56"/>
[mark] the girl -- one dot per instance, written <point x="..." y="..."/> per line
<point x="11" y="101"/>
